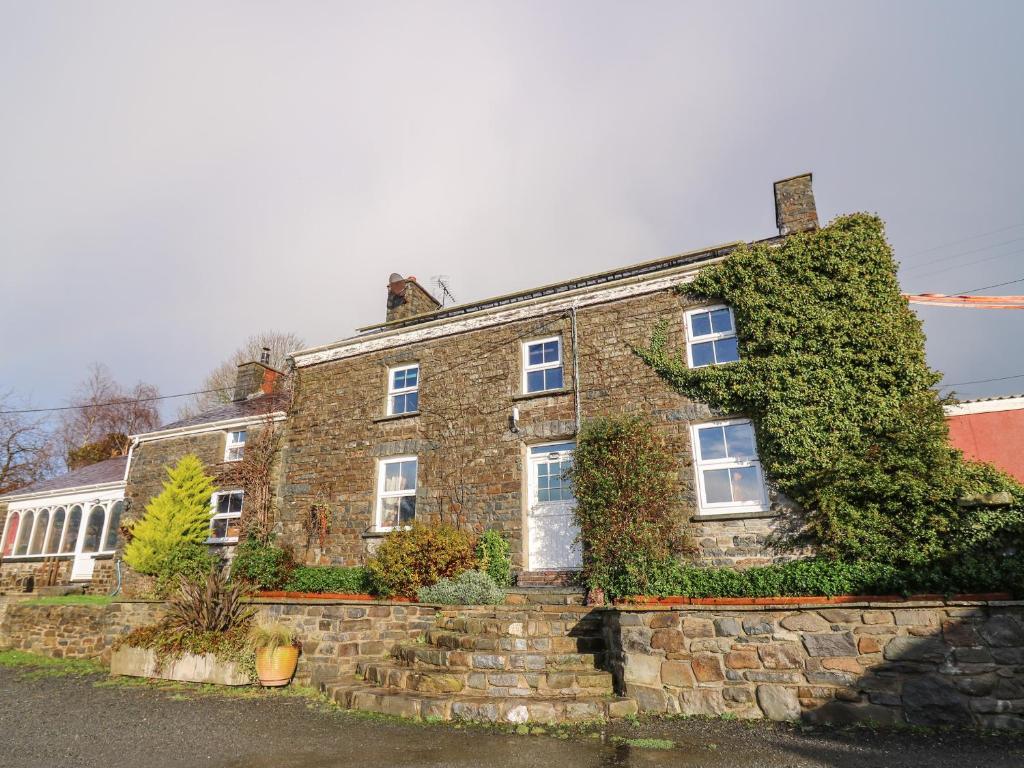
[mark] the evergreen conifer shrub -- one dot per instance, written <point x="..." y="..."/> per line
<point x="177" y="517"/>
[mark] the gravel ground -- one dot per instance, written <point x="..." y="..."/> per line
<point x="51" y="721"/>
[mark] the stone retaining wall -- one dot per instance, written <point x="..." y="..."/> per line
<point x="904" y="663"/>
<point x="335" y="636"/>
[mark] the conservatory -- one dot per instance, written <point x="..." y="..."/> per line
<point x="75" y="517"/>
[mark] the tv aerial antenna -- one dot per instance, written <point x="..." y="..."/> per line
<point x="442" y="291"/>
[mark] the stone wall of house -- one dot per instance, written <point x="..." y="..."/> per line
<point x="917" y="663"/>
<point x="335" y="636"/>
<point x="471" y="463"/>
<point x="72" y="631"/>
<point x="18" y="576"/>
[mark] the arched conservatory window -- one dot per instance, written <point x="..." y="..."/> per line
<point x="71" y="535"/>
<point x="39" y="532"/>
<point x="56" y="529"/>
<point x="94" y="529"/>
<point x="113" y="525"/>
<point x="24" y="532"/>
<point x="12" y="534"/>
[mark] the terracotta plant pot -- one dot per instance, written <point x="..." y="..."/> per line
<point x="275" y="668"/>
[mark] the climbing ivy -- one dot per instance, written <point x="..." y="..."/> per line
<point x="834" y="377"/>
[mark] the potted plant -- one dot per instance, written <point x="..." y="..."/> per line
<point x="277" y="654"/>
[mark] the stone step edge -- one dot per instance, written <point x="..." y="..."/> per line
<point x="513" y="710"/>
<point x="580" y="662"/>
<point x="379" y="675"/>
<point x="467" y="641"/>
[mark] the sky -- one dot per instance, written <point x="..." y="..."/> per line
<point x="177" y="176"/>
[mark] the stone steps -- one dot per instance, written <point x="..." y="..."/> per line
<point x="524" y="624"/>
<point x="457" y="706"/>
<point x="443" y="638"/>
<point x="430" y="656"/>
<point x="490" y="684"/>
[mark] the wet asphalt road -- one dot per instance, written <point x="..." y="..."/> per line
<point x="53" y="722"/>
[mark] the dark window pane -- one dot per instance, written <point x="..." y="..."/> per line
<point x="712" y="443"/>
<point x="550" y="351"/>
<point x="223" y="503"/>
<point x="42" y="521"/>
<point x="701" y="324"/>
<point x="721" y="321"/>
<point x="703" y="354"/>
<point x="71" y="536"/>
<point x="408" y="475"/>
<point x="740" y="441"/>
<point x="219" y="529"/>
<point x="411" y="377"/>
<point x="93" y="530"/>
<point x="727" y="350"/>
<point x="535" y="381"/>
<point x="407" y="510"/>
<point x="24" y="532"/>
<point x="745" y="484"/>
<point x="53" y="543"/>
<point x="112" y="528"/>
<point x="412" y="402"/>
<point x="716" y="486"/>
<point x="398" y="404"/>
<point x="234" y="527"/>
<point x="535" y="354"/>
<point x="553" y="378"/>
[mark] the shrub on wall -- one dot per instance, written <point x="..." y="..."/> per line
<point x="468" y="588"/>
<point x="178" y="516"/>
<point x="261" y="564"/>
<point x="624" y="480"/>
<point x="329" y="579"/>
<point x="418" y="557"/>
<point x="492" y="552"/>
<point x="188" y="561"/>
<point x="832" y="372"/>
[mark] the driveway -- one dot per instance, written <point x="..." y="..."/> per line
<point x="54" y="721"/>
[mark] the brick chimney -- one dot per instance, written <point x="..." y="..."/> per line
<point x="407" y="298"/>
<point x="794" y="205"/>
<point x="255" y="378"/>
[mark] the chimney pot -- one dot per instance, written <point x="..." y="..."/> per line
<point x="265" y="356"/>
<point x="795" y="210"/>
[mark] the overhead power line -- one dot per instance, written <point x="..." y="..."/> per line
<point x="115" y="402"/>
<point x="994" y="285"/>
<point x="982" y="381"/>
<point x="967" y="239"/>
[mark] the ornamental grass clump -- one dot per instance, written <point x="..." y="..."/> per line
<point x="832" y="372"/>
<point x="468" y="588"/>
<point x="270" y="637"/>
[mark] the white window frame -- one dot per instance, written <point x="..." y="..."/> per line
<point x="700" y="464"/>
<point x="393" y="391"/>
<point x="527" y="368"/>
<point x="85" y="502"/>
<point x="382" y="494"/>
<point x="692" y="338"/>
<point x="232" y="445"/>
<point x="214" y="499"/>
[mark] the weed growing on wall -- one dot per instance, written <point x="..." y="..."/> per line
<point x="833" y="374"/>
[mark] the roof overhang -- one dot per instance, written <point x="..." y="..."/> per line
<point x="64" y="495"/>
<point x="213" y="426"/>
<point x="985" y="406"/>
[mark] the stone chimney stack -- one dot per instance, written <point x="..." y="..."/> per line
<point x="407" y="298"/>
<point x="255" y="378"/>
<point x="794" y="205"/>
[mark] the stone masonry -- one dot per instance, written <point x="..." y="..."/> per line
<point x="471" y="463"/>
<point x="926" y="663"/>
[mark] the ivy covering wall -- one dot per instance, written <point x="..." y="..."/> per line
<point x="833" y="375"/>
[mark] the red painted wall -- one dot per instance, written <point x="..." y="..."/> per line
<point x="996" y="437"/>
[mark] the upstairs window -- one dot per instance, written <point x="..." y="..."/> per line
<point x="396" y="493"/>
<point x="235" y="447"/>
<point x="226" y="523"/>
<point x="542" y="365"/>
<point x="729" y="475"/>
<point x="711" y="337"/>
<point x="403" y="389"/>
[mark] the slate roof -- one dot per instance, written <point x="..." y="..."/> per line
<point x="255" y="406"/>
<point x="109" y="471"/>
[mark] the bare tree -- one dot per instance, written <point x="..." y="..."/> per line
<point x="104" y="415"/>
<point x="220" y="382"/>
<point x="26" y="451"/>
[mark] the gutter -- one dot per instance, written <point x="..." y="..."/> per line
<point x="210" y="426"/>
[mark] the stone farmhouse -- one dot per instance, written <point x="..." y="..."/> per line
<point x="464" y="414"/>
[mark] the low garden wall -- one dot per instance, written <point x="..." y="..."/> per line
<point x="922" y="663"/>
<point x="335" y="635"/>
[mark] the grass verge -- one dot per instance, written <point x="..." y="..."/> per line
<point x="69" y="600"/>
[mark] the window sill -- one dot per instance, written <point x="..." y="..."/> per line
<point x="221" y="542"/>
<point x="396" y="416"/>
<point x="542" y="393"/>
<point x="380" y="533"/>
<point x="62" y="556"/>
<point x="734" y="515"/>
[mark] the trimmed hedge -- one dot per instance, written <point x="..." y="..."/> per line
<point x="328" y="579"/>
<point x="819" y="576"/>
<point x="468" y="588"/>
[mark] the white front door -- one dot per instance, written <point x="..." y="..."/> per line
<point x="552" y="531"/>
